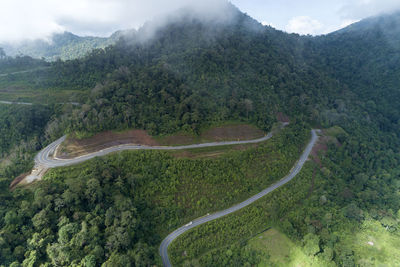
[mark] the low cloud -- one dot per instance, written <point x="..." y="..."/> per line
<point x="266" y="23"/>
<point x="304" y="25"/>
<point x="26" y="19"/>
<point x="359" y="9"/>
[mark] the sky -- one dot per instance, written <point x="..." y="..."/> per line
<point x="32" y="19"/>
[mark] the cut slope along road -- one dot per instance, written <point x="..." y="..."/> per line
<point x="46" y="158"/>
<point x="163" y="250"/>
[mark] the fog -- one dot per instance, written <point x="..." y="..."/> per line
<point x="26" y="19"/>
<point x="359" y="9"/>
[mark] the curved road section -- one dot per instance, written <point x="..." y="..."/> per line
<point x="163" y="250"/>
<point x="46" y="158"/>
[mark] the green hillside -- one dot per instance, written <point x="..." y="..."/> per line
<point x="187" y="76"/>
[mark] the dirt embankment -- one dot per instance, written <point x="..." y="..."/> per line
<point x="282" y="117"/>
<point x="320" y="148"/>
<point x="17" y="180"/>
<point x="233" y="132"/>
<point x="222" y="133"/>
<point x="73" y="147"/>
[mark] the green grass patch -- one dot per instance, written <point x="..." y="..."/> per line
<point x="278" y="250"/>
<point x="33" y="87"/>
<point x="374" y="245"/>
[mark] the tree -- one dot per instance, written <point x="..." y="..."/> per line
<point x="2" y="53"/>
<point x="311" y="244"/>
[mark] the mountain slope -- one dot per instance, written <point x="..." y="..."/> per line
<point x="365" y="56"/>
<point x="62" y="46"/>
<point x="190" y="74"/>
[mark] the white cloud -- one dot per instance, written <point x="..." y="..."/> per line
<point x="358" y="9"/>
<point x="265" y="23"/>
<point x="348" y="22"/>
<point x="304" y="25"/>
<point x="28" y="19"/>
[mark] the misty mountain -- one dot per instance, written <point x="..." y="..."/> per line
<point x="217" y="66"/>
<point x="60" y="45"/>
<point x="182" y="75"/>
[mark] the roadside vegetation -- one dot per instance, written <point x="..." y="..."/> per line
<point x="118" y="207"/>
<point x="74" y="146"/>
<point x="192" y="76"/>
<point x="329" y="220"/>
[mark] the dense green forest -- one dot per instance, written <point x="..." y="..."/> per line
<point x="118" y="209"/>
<point x="193" y="74"/>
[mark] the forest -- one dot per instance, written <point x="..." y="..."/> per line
<point x="114" y="211"/>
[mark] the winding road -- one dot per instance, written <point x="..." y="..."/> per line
<point x="163" y="250"/>
<point x="46" y="159"/>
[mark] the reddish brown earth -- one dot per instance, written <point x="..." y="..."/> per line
<point x="177" y="139"/>
<point x="223" y="133"/>
<point x="17" y="180"/>
<point x="233" y="132"/>
<point x="282" y="117"/>
<point x="320" y="147"/>
<point x="73" y="147"/>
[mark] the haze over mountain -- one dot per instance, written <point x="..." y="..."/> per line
<point x="69" y="45"/>
<point x="60" y="46"/>
<point x="179" y="78"/>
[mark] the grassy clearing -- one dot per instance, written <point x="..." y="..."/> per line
<point x="211" y="152"/>
<point x="45" y="96"/>
<point x="29" y="87"/>
<point x="279" y="250"/>
<point x="374" y="245"/>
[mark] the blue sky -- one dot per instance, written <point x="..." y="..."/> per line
<point x="28" y="19"/>
<point x="306" y="16"/>
<point x="314" y="16"/>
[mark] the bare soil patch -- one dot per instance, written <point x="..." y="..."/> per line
<point x="282" y="117"/>
<point x="178" y="139"/>
<point x="17" y="180"/>
<point x="320" y="147"/>
<point x="222" y="133"/>
<point x="73" y="147"/>
<point x="233" y="132"/>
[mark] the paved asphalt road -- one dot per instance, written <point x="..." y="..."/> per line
<point x="163" y="250"/>
<point x="45" y="157"/>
